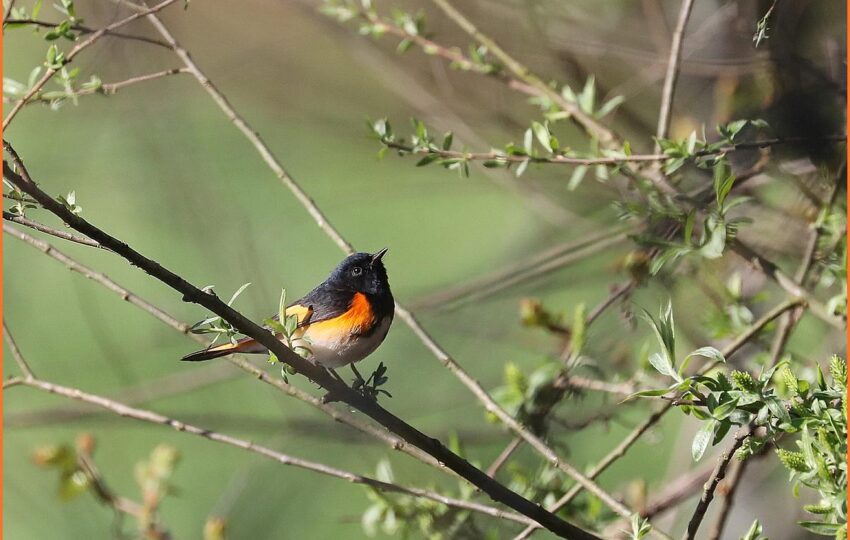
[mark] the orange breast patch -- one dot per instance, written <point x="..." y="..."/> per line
<point x="357" y="320"/>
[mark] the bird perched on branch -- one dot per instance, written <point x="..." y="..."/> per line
<point x="340" y="322"/>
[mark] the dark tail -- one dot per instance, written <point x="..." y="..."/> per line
<point x="245" y="345"/>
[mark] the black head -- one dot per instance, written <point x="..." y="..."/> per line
<point x="362" y="272"/>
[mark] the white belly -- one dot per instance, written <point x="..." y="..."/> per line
<point x="334" y="353"/>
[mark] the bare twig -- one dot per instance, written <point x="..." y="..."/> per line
<point x="178" y="383"/>
<point x="49" y="230"/>
<point x="102" y="491"/>
<point x="615" y="454"/>
<point x="74" y="52"/>
<point x="16" y="352"/>
<point x="790" y="320"/>
<point x="672" y="72"/>
<point x="716" y="476"/>
<point x="12" y="381"/>
<point x="732" y="484"/>
<point x="787" y="283"/>
<point x="676" y="492"/>
<point x="337" y="390"/>
<point x="98" y="277"/>
<point x="9" y="7"/>
<point x="88" y="30"/>
<point x="585" y="121"/>
<point x="544" y="263"/>
<point x="493" y="469"/>
<point x="585" y="383"/>
<point x="155" y="418"/>
<point x="109" y="88"/>
<point x="537" y="419"/>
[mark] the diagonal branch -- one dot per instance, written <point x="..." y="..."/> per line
<point x="88" y="30"/>
<point x="615" y="454"/>
<point x="337" y="390"/>
<point x="672" y="72"/>
<point x="716" y="477"/>
<point x="20" y="220"/>
<point x="16" y="352"/>
<point x="585" y="121"/>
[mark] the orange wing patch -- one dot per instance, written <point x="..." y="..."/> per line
<point x="357" y="320"/>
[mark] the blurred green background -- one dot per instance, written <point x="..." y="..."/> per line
<point x="160" y="167"/>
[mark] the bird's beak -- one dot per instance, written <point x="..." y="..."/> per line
<point x="377" y="256"/>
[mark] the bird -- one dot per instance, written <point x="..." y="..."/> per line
<point x="342" y="321"/>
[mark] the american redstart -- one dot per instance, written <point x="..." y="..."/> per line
<point x="341" y="321"/>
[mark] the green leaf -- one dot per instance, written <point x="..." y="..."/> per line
<point x="430" y="158"/>
<point x="648" y="393"/>
<point x="707" y="352"/>
<point x="715" y="229"/>
<point x="662" y="364"/>
<point x="723" y="182"/>
<point x="577" y="337"/>
<point x="821" y="528"/>
<point x="541" y="132"/>
<point x="384" y="471"/>
<point x="703" y="438"/>
<point x="609" y="106"/>
<point x="237" y="293"/>
<point x="722" y="411"/>
<point x="447" y="140"/>
<point x="576" y="177"/>
<point x="587" y="98"/>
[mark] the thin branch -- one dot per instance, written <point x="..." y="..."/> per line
<point x="672" y="72"/>
<point x="108" y="88"/>
<point x="790" y="320"/>
<point x="178" y="383"/>
<point x="337" y="390"/>
<point x="102" y="491"/>
<point x="503" y="457"/>
<point x="12" y="381"/>
<point x="49" y="230"/>
<point x="155" y="418"/>
<point x="716" y="477"/>
<point x="568" y="382"/>
<point x="87" y="30"/>
<point x="537" y="419"/>
<point x="787" y="283"/>
<point x="615" y="454"/>
<point x="588" y="123"/>
<point x="98" y="277"/>
<point x="8" y="12"/>
<point x="732" y="484"/>
<point x="504" y="158"/>
<point x="74" y="52"/>
<point x="533" y="267"/>
<point x="16" y="352"/>
<point x="514" y="273"/>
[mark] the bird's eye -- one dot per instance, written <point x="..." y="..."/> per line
<point x="356" y="271"/>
